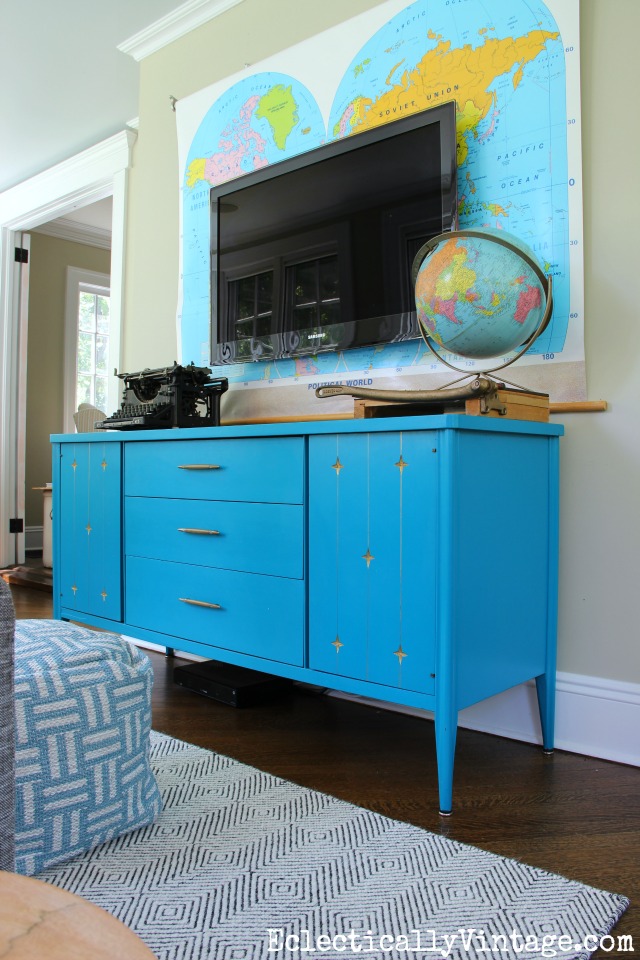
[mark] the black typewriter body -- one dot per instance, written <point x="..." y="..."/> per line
<point x="173" y="396"/>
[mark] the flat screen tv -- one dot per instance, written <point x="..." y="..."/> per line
<point x="314" y="253"/>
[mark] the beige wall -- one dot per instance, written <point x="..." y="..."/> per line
<point x="600" y="563"/>
<point x="600" y="453"/>
<point x="248" y="33"/>
<point x="49" y="260"/>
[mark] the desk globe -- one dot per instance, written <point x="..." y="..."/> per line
<point x="480" y="294"/>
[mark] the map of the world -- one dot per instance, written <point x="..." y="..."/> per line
<point x="503" y="62"/>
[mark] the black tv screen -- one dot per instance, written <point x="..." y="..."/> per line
<point x="314" y="253"/>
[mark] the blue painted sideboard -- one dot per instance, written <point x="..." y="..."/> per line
<point x="412" y="560"/>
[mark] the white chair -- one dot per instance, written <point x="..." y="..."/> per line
<point x="86" y="418"/>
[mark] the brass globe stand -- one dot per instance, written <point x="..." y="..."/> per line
<point x="482" y="385"/>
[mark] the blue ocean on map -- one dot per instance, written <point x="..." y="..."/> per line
<point x="237" y="135"/>
<point x="506" y="71"/>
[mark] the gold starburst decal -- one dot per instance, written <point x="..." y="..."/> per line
<point x="368" y="556"/>
<point x="337" y="466"/>
<point x="401" y="464"/>
<point x="400" y="654"/>
<point x="74" y="464"/>
<point x="104" y="595"/>
<point x="104" y="464"/>
<point x="338" y="644"/>
<point x="74" y="589"/>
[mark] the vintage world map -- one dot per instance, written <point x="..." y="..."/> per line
<point x="503" y="63"/>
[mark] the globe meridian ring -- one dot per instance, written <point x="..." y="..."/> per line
<point x="515" y="249"/>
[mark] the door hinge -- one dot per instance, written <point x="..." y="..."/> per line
<point x="16" y="525"/>
<point x="22" y="255"/>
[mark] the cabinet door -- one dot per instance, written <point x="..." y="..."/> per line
<point x="373" y="557"/>
<point x="89" y="529"/>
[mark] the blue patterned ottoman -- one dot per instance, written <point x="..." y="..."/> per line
<point x="83" y="717"/>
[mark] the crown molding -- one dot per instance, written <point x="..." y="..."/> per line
<point x="174" y="25"/>
<point x="65" y="229"/>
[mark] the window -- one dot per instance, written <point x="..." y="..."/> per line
<point x="89" y="343"/>
<point x="92" y="352"/>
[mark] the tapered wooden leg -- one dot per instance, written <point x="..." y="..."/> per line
<point x="545" y="687"/>
<point x="446" y="729"/>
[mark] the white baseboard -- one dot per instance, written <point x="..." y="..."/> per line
<point x="594" y="717"/>
<point x="146" y="645"/>
<point x="33" y="538"/>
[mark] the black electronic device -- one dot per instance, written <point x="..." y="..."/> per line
<point x="173" y="396"/>
<point x="314" y="253"/>
<point x="236" y="686"/>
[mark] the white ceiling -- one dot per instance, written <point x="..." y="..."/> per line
<point x="90" y="224"/>
<point x="64" y="84"/>
<point x="97" y="215"/>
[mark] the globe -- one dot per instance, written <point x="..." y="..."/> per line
<point x="480" y="294"/>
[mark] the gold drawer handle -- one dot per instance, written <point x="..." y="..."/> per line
<point x="200" y="603"/>
<point x="210" y="533"/>
<point x="198" y="466"/>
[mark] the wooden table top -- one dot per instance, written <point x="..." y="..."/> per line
<point x="39" y="920"/>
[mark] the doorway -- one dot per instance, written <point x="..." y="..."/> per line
<point x="91" y="176"/>
<point x="66" y="255"/>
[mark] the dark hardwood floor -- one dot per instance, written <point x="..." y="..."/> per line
<point x="568" y="814"/>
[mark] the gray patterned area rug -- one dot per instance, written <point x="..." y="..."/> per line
<point x="242" y="865"/>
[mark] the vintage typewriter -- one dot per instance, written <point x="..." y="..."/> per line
<point x="173" y="396"/>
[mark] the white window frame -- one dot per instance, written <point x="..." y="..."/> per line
<point x="77" y="278"/>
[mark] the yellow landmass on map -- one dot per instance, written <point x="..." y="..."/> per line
<point x="457" y="280"/>
<point x="496" y="209"/>
<point x="195" y="171"/>
<point x="393" y="70"/>
<point x="454" y="278"/>
<point x="359" y="107"/>
<point x="279" y="108"/>
<point x="467" y="120"/>
<point x="462" y="73"/>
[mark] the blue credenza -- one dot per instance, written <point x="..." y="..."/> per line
<point x="412" y="560"/>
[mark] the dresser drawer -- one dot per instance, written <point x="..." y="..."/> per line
<point x="248" y="613"/>
<point x="268" y="470"/>
<point x="253" y="537"/>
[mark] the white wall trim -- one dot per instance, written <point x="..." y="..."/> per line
<point x="94" y="174"/>
<point x="82" y="179"/>
<point x="33" y="538"/>
<point x="594" y="716"/>
<point x="65" y="229"/>
<point x="156" y="648"/>
<point x="174" y="25"/>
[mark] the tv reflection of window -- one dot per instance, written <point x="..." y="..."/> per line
<point x="251" y="305"/>
<point x="312" y="300"/>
